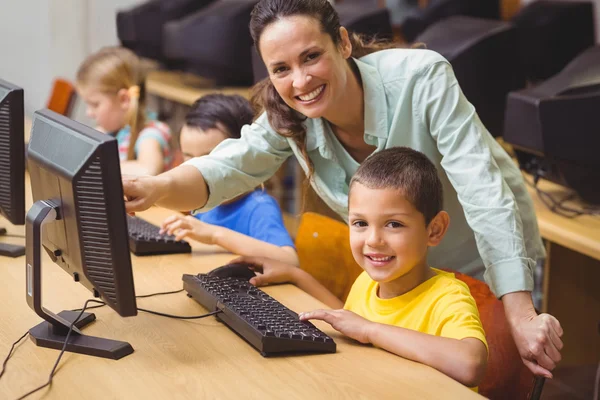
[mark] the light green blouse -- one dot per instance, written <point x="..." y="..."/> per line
<point x="412" y="99"/>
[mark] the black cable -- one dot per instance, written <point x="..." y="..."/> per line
<point x="62" y="351"/>
<point x="158" y="294"/>
<point x="10" y="353"/>
<point x="558" y="206"/>
<point x="179" y="316"/>
<point x="137" y="297"/>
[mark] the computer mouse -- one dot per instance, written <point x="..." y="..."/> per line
<point x="237" y="270"/>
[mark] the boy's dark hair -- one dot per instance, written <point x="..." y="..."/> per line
<point x="408" y="171"/>
<point x="221" y="112"/>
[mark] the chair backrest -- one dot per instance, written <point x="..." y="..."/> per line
<point x="506" y="376"/>
<point x="323" y="246"/>
<point x="324" y="251"/>
<point x="62" y="97"/>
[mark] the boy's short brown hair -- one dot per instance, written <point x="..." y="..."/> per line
<point x="408" y="171"/>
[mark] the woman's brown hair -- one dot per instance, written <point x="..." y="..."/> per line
<point x="110" y="70"/>
<point x="283" y="119"/>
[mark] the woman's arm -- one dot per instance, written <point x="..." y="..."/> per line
<point x="182" y="188"/>
<point x="235" y="166"/>
<point x="469" y="158"/>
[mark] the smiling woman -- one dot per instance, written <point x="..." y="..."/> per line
<point x="331" y="101"/>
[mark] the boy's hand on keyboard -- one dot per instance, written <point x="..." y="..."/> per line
<point x="344" y="321"/>
<point x="187" y="226"/>
<point x="269" y="271"/>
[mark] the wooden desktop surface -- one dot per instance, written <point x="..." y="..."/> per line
<point x="581" y="234"/>
<point x="194" y="359"/>
<point x="172" y="85"/>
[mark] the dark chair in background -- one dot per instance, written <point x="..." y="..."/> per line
<point x="554" y="126"/>
<point x="438" y="10"/>
<point x="551" y="34"/>
<point x="485" y="59"/>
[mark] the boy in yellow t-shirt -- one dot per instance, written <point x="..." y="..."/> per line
<point x="398" y="303"/>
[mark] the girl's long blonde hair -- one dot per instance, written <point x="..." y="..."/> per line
<point x="110" y="70"/>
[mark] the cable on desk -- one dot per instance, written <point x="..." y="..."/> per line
<point x="557" y="206"/>
<point x="158" y="294"/>
<point x="179" y="316"/>
<point x="10" y="353"/>
<point x="62" y="351"/>
<point x="137" y="297"/>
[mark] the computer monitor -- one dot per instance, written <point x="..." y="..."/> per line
<point x="214" y="42"/>
<point x="140" y="28"/>
<point x="553" y="126"/>
<point x="78" y="201"/>
<point x="12" y="161"/>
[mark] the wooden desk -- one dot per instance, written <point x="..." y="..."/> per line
<point x="172" y="86"/>
<point x="571" y="276"/>
<point x="197" y="359"/>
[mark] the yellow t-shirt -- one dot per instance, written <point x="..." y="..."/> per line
<point x="441" y="306"/>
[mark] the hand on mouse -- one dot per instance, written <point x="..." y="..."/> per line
<point x="269" y="271"/>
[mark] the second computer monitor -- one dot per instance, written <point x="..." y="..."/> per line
<point x="78" y="217"/>
<point x="12" y="153"/>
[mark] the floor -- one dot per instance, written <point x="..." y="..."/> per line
<point x="576" y="383"/>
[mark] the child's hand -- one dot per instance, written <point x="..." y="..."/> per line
<point x="187" y="226"/>
<point x="344" y="321"/>
<point x="269" y="271"/>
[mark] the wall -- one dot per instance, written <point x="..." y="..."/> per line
<point x="44" y="39"/>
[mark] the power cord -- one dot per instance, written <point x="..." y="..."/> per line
<point x="558" y="206"/>
<point x="137" y="297"/>
<point x="82" y="310"/>
<point x="62" y="351"/>
<point x="10" y="353"/>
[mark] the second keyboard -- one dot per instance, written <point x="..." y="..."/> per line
<point x="145" y="239"/>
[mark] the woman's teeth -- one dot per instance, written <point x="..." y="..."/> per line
<point x="312" y="95"/>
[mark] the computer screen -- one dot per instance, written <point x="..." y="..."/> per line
<point x="214" y="42"/>
<point x="12" y="161"/>
<point x="78" y="217"/>
<point x="140" y="28"/>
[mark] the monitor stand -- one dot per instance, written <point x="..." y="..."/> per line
<point x="52" y="333"/>
<point x="10" y="250"/>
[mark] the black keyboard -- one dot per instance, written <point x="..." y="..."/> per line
<point x="144" y="239"/>
<point x="264" y="322"/>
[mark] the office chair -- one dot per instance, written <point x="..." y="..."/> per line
<point x="551" y="33"/>
<point x="484" y="56"/>
<point x="438" y="10"/>
<point x="324" y="251"/>
<point x="62" y="98"/>
<point x="553" y="126"/>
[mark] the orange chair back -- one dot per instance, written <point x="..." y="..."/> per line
<point x="62" y="97"/>
<point x="506" y="376"/>
<point x="323" y="248"/>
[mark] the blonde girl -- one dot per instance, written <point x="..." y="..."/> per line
<point x="111" y="82"/>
